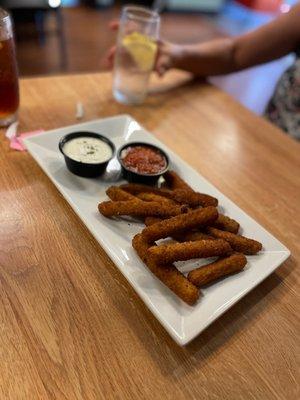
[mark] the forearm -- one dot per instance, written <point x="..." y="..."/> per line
<point x="226" y="55"/>
<point x="211" y="58"/>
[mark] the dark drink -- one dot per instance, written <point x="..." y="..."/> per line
<point x="9" y="87"/>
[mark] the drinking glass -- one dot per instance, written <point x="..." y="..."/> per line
<point x="135" y="53"/>
<point x="9" y="86"/>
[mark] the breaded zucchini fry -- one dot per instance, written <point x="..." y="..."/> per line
<point x="226" y="224"/>
<point x="194" y="199"/>
<point x="137" y="188"/>
<point x="138" y="208"/>
<point x="192" y="236"/>
<point x="175" y="182"/>
<point x="154" y="197"/>
<point x="117" y="194"/>
<point x="171" y="226"/>
<point x="151" y="220"/>
<point x="189" y="250"/>
<point x="239" y="243"/>
<point x="222" y="267"/>
<point x="167" y="274"/>
<point x="181" y="196"/>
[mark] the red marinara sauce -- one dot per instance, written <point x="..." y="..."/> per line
<point x="143" y="160"/>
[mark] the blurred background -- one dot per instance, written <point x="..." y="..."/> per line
<point x="72" y="36"/>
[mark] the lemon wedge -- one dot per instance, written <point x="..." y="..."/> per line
<point x="142" y="49"/>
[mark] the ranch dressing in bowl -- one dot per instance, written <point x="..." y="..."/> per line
<point x="88" y="150"/>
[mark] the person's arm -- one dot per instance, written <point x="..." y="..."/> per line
<point x="222" y="56"/>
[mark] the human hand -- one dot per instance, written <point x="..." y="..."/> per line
<point x="167" y="55"/>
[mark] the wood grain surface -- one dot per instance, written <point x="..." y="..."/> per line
<point x="71" y="327"/>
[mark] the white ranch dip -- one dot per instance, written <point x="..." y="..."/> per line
<point x="87" y="150"/>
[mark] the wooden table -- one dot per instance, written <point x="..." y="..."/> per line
<point x="71" y="327"/>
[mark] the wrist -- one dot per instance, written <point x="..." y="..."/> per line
<point x="181" y="56"/>
<point x="178" y="56"/>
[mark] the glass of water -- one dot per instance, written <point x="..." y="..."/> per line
<point x="135" y="54"/>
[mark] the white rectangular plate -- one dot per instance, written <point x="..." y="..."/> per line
<point x="181" y="321"/>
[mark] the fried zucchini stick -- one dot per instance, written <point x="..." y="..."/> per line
<point x="171" y="226"/>
<point x="138" y="208"/>
<point x="137" y="188"/>
<point x="226" y="224"/>
<point x="151" y="220"/>
<point x="239" y="243"/>
<point x="117" y="194"/>
<point x="182" y="236"/>
<point x="181" y="188"/>
<point x="154" y="197"/>
<point x="192" y="236"/>
<point x="189" y="250"/>
<point x="222" y="267"/>
<point x="175" y="182"/>
<point x="194" y="199"/>
<point x="181" y="196"/>
<point x="167" y="274"/>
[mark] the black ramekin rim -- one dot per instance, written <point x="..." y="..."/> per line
<point x="76" y="134"/>
<point x="134" y="144"/>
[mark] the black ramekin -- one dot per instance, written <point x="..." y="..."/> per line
<point x="87" y="170"/>
<point x="135" y="177"/>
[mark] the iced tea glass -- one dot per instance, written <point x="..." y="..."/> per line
<point x="9" y="85"/>
<point x="135" y="54"/>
